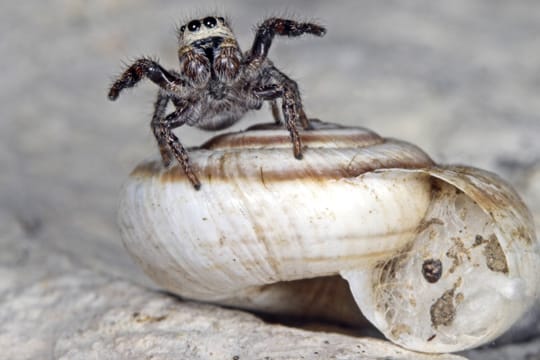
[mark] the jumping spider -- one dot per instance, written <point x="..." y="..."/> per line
<point x="217" y="83"/>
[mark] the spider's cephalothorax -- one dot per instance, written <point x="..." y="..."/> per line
<point x="217" y="83"/>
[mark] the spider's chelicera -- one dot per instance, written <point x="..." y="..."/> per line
<point x="217" y="83"/>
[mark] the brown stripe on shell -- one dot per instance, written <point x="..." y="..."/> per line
<point x="255" y="141"/>
<point x="275" y="136"/>
<point x="278" y="164"/>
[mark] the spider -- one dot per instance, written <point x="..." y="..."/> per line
<point x="217" y="83"/>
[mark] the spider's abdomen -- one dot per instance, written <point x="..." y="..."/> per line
<point x="224" y="105"/>
<point x="220" y="119"/>
<point x="217" y="91"/>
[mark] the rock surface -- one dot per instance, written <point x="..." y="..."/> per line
<point x="460" y="79"/>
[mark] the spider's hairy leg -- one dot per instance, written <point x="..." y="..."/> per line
<point x="292" y="86"/>
<point x="141" y="68"/>
<point x="159" y="128"/>
<point x="276" y="26"/>
<point x="168" y="142"/>
<point x="290" y="108"/>
<point x="275" y="112"/>
<point x="304" y="119"/>
<point x="181" y="155"/>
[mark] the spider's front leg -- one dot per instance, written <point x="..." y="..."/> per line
<point x="145" y="68"/>
<point x="275" y="112"/>
<point x="168" y="142"/>
<point x="159" y="127"/>
<point x="291" y="108"/>
<point x="276" y="26"/>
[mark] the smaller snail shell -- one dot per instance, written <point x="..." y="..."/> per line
<point x="438" y="258"/>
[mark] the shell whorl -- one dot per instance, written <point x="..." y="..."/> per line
<point x="264" y="152"/>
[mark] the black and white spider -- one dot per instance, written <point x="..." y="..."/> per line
<point x="217" y="83"/>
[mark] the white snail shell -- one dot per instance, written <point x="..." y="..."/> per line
<point x="438" y="258"/>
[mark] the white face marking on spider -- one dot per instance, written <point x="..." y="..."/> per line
<point x="209" y="27"/>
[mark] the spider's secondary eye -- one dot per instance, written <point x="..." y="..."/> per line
<point x="194" y="25"/>
<point x="221" y="19"/>
<point x="183" y="28"/>
<point x="210" y="22"/>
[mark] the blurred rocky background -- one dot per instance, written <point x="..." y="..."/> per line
<point x="461" y="79"/>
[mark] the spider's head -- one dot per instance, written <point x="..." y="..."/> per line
<point x="208" y="48"/>
<point x="205" y="33"/>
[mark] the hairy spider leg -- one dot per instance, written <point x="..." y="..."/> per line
<point x="161" y="124"/>
<point x="300" y="115"/>
<point x="288" y="90"/>
<point x="306" y="123"/>
<point x="275" y="26"/>
<point x="145" y="68"/>
<point x="168" y="142"/>
<point x="158" y="127"/>
<point x="289" y="108"/>
<point x="183" y="159"/>
<point x="275" y="112"/>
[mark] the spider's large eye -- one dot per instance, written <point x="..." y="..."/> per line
<point x="194" y="25"/>
<point x="210" y="22"/>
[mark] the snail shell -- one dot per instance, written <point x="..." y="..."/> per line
<point x="438" y="258"/>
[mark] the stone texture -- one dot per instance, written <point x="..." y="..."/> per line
<point x="461" y="79"/>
